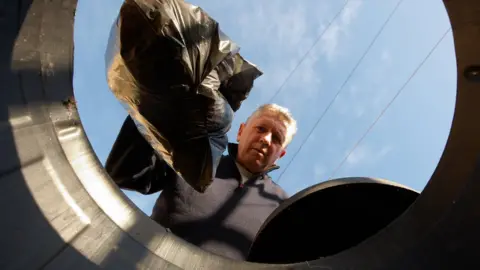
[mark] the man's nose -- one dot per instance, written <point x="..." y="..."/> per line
<point x="267" y="139"/>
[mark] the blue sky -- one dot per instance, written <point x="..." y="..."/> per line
<point x="403" y="146"/>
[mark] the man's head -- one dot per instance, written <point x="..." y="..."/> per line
<point x="263" y="138"/>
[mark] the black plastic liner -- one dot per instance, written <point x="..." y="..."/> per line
<point x="181" y="80"/>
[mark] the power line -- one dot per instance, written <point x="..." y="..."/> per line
<point x="390" y="103"/>
<point x="308" y="52"/>
<point x="342" y="86"/>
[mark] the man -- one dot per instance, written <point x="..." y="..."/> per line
<point x="226" y="218"/>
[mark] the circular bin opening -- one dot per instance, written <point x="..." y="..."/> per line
<point x="328" y="218"/>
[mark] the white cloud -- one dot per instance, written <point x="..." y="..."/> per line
<point x="367" y="154"/>
<point x="357" y="156"/>
<point x="386" y="56"/>
<point x="375" y="74"/>
<point x="330" y="41"/>
<point x="351" y="102"/>
<point x="284" y="36"/>
<point x="275" y="27"/>
<point x="339" y="28"/>
<point x="283" y="31"/>
<point x="350" y="12"/>
<point x="368" y="93"/>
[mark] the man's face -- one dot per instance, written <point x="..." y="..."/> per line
<point x="261" y="142"/>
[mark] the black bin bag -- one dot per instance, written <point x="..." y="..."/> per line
<point x="181" y="80"/>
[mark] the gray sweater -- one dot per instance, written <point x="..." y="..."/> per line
<point x="224" y="219"/>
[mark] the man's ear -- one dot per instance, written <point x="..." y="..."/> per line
<point x="283" y="153"/>
<point x="240" y="130"/>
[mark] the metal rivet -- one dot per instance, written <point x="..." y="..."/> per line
<point x="472" y="73"/>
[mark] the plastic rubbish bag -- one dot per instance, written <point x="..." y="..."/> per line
<point x="181" y="80"/>
<point x="133" y="164"/>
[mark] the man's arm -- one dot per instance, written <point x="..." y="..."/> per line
<point x="133" y="164"/>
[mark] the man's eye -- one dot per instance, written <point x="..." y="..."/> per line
<point x="261" y="129"/>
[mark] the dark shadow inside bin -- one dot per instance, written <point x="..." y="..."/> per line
<point x="328" y="218"/>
